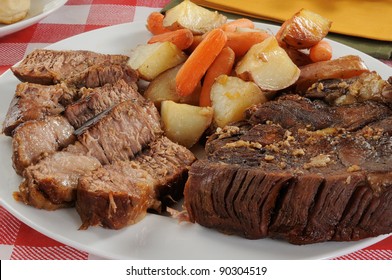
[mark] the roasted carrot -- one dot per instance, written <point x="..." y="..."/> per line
<point x="223" y="64"/>
<point x="241" y="42"/>
<point x="241" y="22"/>
<point x="182" y="38"/>
<point x="322" y="51"/>
<point x="196" y="41"/>
<point x="155" y="23"/>
<point x="199" y="61"/>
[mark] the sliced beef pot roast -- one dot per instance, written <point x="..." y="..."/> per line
<point x="34" y="102"/>
<point x="119" y="134"/>
<point x="34" y="140"/>
<point x="49" y="67"/>
<point x="102" y="149"/>
<point x="120" y="194"/>
<point x="51" y="183"/>
<point x="96" y="100"/>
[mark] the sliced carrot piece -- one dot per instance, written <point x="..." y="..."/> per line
<point x="199" y="61"/>
<point x="155" y="23"/>
<point x="223" y="64"/>
<point x="182" y="38"/>
<point x="241" y="22"/>
<point x="322" y="51"/>
<point x="241" y="42"/>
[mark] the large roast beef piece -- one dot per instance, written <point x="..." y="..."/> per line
<point x="43" y="66"/>
<point x="34" y="140"/>
<point x="51" y="183"/>
<point x="96" y="100"/>
<point x="298" y="170"/>
<point x="119" y="194"/>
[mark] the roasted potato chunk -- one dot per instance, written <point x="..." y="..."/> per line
<point x="231" y="96"/>
<point x="183" y="123"/>
<point x="196" y="18"/>
<point x="163" y="87"/>
<point x="150" y="60"/>
<point x="268" y="65"/>
<point x="303" y="30"/>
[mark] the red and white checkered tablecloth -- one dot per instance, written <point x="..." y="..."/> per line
<point x="19" y="241"/>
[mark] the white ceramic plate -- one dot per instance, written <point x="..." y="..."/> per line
<point x="155" y="237"/>
<point x="38" y="10"/>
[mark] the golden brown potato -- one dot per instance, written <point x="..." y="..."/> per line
<point x="163" y="87"/>
<point x="303" y="30"/>
<point x="231" y="96"/>
<point x="183" y="123"/>
<point x="343" y="67"/>
<point x="268" y="65"/>
<point x="196" y="18"/>
<point x="150" y="60"/>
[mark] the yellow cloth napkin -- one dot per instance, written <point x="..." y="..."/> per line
<point x="362" y="18"/>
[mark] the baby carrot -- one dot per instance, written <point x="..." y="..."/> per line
<point x="182" y="38"/>
<point x="322" y="51"/>
<point x="241" y="42"/>
<point x="241" y="22"/>
<point x="155" y="23"/>
<point x="223" y="64"/>
<point x="196" y="41"/>
<point x="199" y="61"/>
